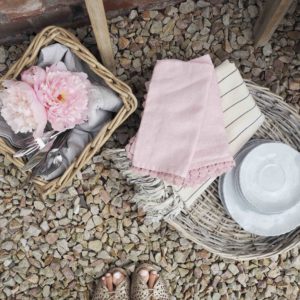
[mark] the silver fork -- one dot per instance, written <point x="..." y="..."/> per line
<point x="37" y="162"/>
<point x="39" y="144"/>
<point x="39" y="155"/>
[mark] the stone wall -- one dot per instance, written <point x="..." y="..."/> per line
<point x="18" y="17"/>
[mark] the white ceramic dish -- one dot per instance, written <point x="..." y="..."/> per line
<point x="269" y="177"/>
<point x="234" y="172"/>
<point x="262" y="201"/>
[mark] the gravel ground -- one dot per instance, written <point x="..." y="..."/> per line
<point x="55" y="249"/>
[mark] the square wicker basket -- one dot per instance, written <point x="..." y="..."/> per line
<point x="46" y="37"/>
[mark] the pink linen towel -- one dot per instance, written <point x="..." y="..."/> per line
<point x="182" y="138"/>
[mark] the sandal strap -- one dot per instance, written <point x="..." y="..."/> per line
<point x="140" y="289"/>
<point x="121" y="292"/>
<point x="111" y="295"/>
<point x="159" y="290"/>
<point x="151" y="292"/>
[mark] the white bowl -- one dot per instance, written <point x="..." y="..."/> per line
<point x="264" y="202"/>
<point x="269" y="177"/>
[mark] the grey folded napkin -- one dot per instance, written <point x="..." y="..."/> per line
<point x="103" y="102"/>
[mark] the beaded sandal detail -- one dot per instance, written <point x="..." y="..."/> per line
<point x="140" y="290"/>
<point x="121" y="292"/>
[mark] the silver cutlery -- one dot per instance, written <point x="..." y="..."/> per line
<point x="55" y="163"/>
<point x="35" y="159"/>
<point x="38" y="156"/>
<point x="43" y="143"/>
<point x="55" y="156"/>
<point x="19" y="140"/>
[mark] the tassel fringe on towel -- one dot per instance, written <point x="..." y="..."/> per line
<point x="154" y="196"/>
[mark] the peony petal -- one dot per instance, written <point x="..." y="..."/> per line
<point x="64" y="94"/>
<point x="8" y="83"/>
<point x="34" y="76"/>
<point x="21" y="109"/>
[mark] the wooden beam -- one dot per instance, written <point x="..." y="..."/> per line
<point x="269" y="20"/>
<point x="98" y="20"/>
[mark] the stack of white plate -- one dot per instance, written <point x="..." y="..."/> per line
<point x="262" y="193"/>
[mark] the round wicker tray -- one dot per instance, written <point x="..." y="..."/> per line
<point x="207" y="222"/>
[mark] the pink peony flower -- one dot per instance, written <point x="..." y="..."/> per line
<point x="21" y="109"/>
<point x="34" y="76"/>
<point x="64" y="95"/>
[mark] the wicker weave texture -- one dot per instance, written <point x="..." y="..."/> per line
<point x="207" y="223"/>
<point x="46" y="37"/>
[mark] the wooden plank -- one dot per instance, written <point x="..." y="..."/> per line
<point x="97" y="16"/>
<point x="269" y="20"/>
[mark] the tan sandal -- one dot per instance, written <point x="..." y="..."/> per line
<point x="140" y="290"/>
<point x="120" y="293"/>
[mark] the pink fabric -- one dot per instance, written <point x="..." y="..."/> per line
<point x="182" y="137"/>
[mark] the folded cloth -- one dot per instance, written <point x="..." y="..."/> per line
<point x="58" y="52"/>
<point x="242" y="119"/>
<point x="182" y="137"/>
<point x="103" y="102"/>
